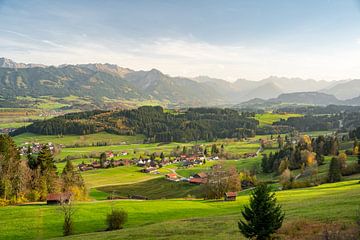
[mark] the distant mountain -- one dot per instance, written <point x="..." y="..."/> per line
<point x="345" y="90"/>
<point x="289" y="85"/>
<point x="266" y="91"/>
<point x="298" y="98"/>
<point x="314" y="98"/>
<point x="108" y="81"/>
<point x="100" y="81"/>
<point x="8" y="63"/>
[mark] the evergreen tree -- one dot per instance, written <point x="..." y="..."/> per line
<point x="31" y="160"/>
<point x="334" y="170"/>
<point x="162" y="156"/>
<point x="47" y="171"/>
<point x="102" y="159"/>
<point x="263" y="216"/>
<point x="71" y="177"/>
<point x="11" y="183"/>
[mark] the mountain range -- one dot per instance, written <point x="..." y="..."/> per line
<point x="109" y="81"/>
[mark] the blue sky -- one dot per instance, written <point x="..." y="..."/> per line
<point x="225" y="39"/>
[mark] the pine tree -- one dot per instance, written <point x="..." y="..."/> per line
<point x="102" y="159"/>
<point x="48" y="173"/>
<point x="11" y="183"/>
<point x="71" y="177"/>
<point x="334" y="170"/>
<point x="31" y="160"/>
<point x="263" y="216"/>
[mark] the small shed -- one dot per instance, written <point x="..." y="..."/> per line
<point x="200" y="175"/>
<point x="57" y="198"/>
<point x="230" y="196"/>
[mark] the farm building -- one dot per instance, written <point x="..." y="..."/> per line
<point x="200" y="175"/>
<point x="230" y="196"/>
<point x="57" y="198"/>
<point x="172" y="177"/>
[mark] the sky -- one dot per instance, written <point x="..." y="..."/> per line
<point x="251" y="39"/>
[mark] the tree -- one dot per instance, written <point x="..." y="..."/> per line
<point x="342" y="159"/>
<point x="102" y="159"/>
<point x="72" y="181"/>
<point x="334" y="170"/>
<point x="263" y="216"/>
<point x="221" y="180"/>
<point x="47" y="171"/>
<point x="319" y="158"/>
<point x="31" y="160"/>
<point x="214" y="150"/>
<point x="11" y="171"/>
<point x="68" y="211"/>
<point x="162" y="156"/>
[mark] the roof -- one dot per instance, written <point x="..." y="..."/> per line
<point x="201" y="175"/>
<point x="171" y="175"/>
<point x="231" y="194"/>
<point x="196" y="180"/>
<point x="58" y="196"/>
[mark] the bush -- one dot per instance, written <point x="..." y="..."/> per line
<point x="350" y="169"/>
<point x="116" y="219"/>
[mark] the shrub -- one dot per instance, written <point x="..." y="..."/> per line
<point x="116" y="219"/>
<point x="350" y="169"/>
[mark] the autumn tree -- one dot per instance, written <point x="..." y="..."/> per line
<point x="72" y="181"/>
<point x="221" y="180"/>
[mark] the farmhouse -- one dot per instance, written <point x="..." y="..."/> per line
<point x="57" y="198"/>
<point x="172" y="177"/>
<point x="230" y="196"/>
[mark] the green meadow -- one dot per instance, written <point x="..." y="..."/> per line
<point x="178" y="219"/>
<point x="270" y="118"/>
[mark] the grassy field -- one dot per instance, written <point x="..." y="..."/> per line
<point x="157" y="188"/>
<point x="117" y="176"/>
<point x="269" y="118"/>
<point x="71" y="140"/>
<point x="178" y="219"/>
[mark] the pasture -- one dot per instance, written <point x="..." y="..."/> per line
<point x="270" y="118"/>
<point x="179" y="219"/>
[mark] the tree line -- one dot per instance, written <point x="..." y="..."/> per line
<point x="34" y="178"/>
<point x="153" y="122"/>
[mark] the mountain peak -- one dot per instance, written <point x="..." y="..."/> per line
<point x="8" y="63"/>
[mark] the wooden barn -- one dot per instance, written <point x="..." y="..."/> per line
<point x="230" y="196"/>
<point x="57" y="198"/>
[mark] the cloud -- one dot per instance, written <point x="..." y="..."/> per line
<point x="186" y="57"/>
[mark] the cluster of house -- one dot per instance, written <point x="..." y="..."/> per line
<point x="6" y="130"/>
<point x="35" y="148"/>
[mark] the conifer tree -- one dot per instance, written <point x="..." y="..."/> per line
<point x="263" y="216"/>
<point x="334" y="170"/>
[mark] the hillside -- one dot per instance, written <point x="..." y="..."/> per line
<point x="153" y="122"/>
<point x="298" y="98"/>
<point x="346" y="90"/>
<point x="187" y="219"/>
<point x="114" y="85"/>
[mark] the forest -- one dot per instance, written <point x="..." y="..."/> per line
<point x="153" y="122"/>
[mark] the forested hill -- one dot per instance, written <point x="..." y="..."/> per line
<point x="153" y="122"/>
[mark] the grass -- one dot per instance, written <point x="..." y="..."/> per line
<point x="157" y="188"/>
<point x="270" y="118"/>
<point x="116" y="176"/>
<point x="71" y="140"/>
<point x="14" y="124"/>
<point x="177" y="219"/>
